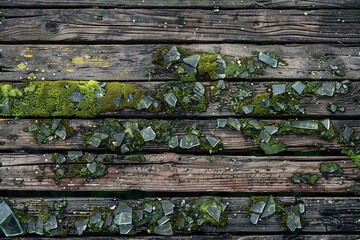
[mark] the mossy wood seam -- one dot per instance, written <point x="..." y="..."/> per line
<point x="323" y="214"/>
<point x="177" y="25"/>
<point x="224" y="4"/>
<point x="171" y="172"/>
<point x="53" y="99"/>
<point x="133" y="62"/>
<point x="13" y="137"/>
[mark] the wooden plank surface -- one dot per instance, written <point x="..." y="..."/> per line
<point x="323" y="214"/>
<point x="313" y="4"/>
<point x="177" y="25"/>
<point x="232" y="140"/>
<point x="131" y="62"/>
<point x="296" y="236"/>
<point x="169" y="172"/>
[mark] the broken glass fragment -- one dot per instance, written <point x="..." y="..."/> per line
<point x="326" y="123"/>
<point x="116" y="101"/>
<point x="74" y="155"/>
<point x="81" y="226"/>
<point x="301" y="208"/>
<point x="192" y="60"/>
<point x="32" y="127"/>
<point x="278" y="89"/>
<point x="258" y="207"/>
<point x="270" y="208"/>
<point x="326" y="89"/>
<point x="337" y="70"/>
<point x="347" y="133"/>
<point x="163" y="220"/>
<point x="221" y="72"/>
<point x="265" y="58"/>
<point x="221" y="84"/>
<point x="189" y="141"/>
<point x="5" y="105"/>
<point x="148" y="134"/>
<point x="125" y="229"/>
<point x="255" y="124"/>
<point x="212" y="140"/>
<point x="61" y="132"/>
<point x="31" y="226"/>
<point x="167" y="206"/>
<point x="5" y="211"/>
<point x="271" y="129"/>
<point x="119" y="138"/>
<point x="148" y="208"/>
<point x="51" y="223"/>
<point x="272" y="147"/>
<point x="248" y="108"/>
<point x="99" y="93"/>
<point x="174" y="142"/>
<point x="332" y="108"/>
<point x="254" y="218"/>
<point x="145" y="102"/>
<point x="131" y="97"/>
<point x="124" y="148"/>
<point x="221" y="122"/>
<point x="165" y="229"/>
<point x="265" y="136"/>
<point x="214" y="210"/>
<point x="341" y="109"/>
<point x="199" y="90"/>
<point x="308" y="125"/>
<point x="235" y="123"/>
<point x="171" y="99"/>
<point x="293" y="221"/>
<point x="39" y="227"/>
<point x="76" y="97"/>
<point x="331" y="168"/>
<point x="172" y="55"/>
<point x="299" y="87"/>
<point x="18" y="181"/>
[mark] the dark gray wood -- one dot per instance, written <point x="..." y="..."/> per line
<point x="223" y="4"/>
<point x="131" y="62"/>
<point x="169" y="172"/>
<point x="232" y="140"/>
<point x="336" y="215"/>
<point x="179" y="26"/>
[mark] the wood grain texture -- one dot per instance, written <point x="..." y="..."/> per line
<point x="179" y="26"/>
<point x="323" y="214"/>
<point x="170" y="172"/>
<point x="232" y="140"/>
<point x="223" y="4"/>
<point x="131" y="62"/>
<point x="225" y="236"/>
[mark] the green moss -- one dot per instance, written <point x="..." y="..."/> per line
<point x="207" y="65"/>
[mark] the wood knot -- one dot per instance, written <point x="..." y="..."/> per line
<point x="52" y="27"/>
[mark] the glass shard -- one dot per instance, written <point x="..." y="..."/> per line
<point x="171" y="99"/>
<point x="148" y="134"/>
<point x="265" y="58"/>
<point x="189" y="141"/>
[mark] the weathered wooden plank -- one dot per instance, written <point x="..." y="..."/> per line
<point x="177" y="25"/>
<point x="296" y="236"/>
<point x="170" y="172"/>
<point x="323" y="214"/>
<point x="223" y="4"/>
<point x="132" y="62"/>
<point x="232" y="140"/>
<point x="313" y="106"/>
